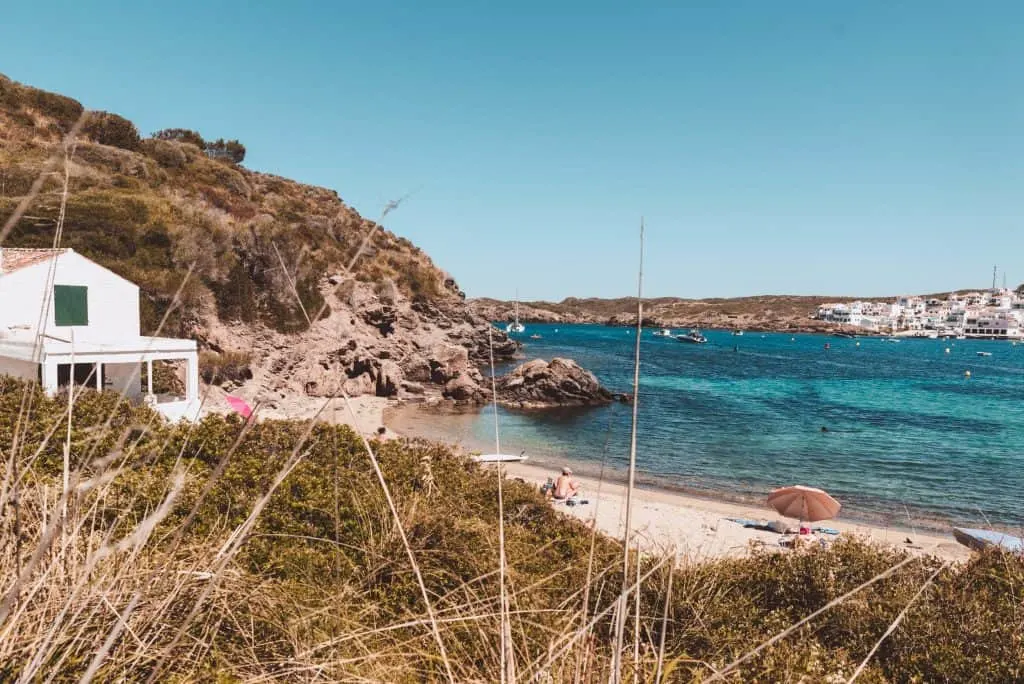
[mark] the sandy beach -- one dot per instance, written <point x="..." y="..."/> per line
<point x="699" y="528"/>
<point x="365" y="417"/>
<point x="694" y="526"/>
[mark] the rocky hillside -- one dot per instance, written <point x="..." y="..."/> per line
<point x="250" y="264"/>
<point x="765" y="313"/>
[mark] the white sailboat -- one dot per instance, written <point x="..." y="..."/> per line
<point x="516" y="327"/>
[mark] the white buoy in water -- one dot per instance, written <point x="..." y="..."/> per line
<point x="947" y="350"/>
<point x="967" y="374"/>
<point x="858" y="344"/>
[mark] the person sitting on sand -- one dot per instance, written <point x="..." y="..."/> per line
<point x="565" y="486"/>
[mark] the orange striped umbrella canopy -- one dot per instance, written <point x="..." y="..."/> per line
<point x="804" y="503"/>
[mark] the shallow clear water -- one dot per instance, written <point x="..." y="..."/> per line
<point x="910" y="439"/>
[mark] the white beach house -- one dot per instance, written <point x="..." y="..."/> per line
<point x="65" y="319"/>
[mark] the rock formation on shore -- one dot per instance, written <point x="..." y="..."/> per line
<point x="560" y="382"/>
<point x="536" y="384"/>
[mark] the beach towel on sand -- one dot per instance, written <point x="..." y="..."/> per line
<point x="753" y="524"/>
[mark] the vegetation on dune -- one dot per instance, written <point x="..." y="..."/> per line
<point x="170" y="558"/>
<point x="151" y="209"/>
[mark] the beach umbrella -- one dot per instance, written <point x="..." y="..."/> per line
<point x="239" y="405"/>
<point x="804" y="503"/>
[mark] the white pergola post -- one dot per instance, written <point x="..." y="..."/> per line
<point x="99" y="376"/>
<point x="191" y="376"/>
<point x="149" y="377"/>
<point x="50" y="377"/>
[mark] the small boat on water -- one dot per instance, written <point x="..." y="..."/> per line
<point x="692" y="337"/>
<point x="664" y="332"/>
<point x="984" y="353"/>
<point x="844" y="335"/>
<point x="500" y="458"/>
<point x="534" y="336"/>
<point x="737" y="333"/>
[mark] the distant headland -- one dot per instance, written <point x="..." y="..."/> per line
<point x="769" y="313"/>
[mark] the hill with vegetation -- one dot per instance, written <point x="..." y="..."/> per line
<point x="790" y="313"/>
<point x="254" y="266"/>
<point x="229" y="551"/>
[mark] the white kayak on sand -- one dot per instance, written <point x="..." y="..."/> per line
<point x="500" y="458"/>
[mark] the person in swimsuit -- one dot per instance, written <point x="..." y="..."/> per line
<point x="565" y="486"/>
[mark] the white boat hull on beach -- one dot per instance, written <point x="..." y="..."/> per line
<point x="500" y="458"/>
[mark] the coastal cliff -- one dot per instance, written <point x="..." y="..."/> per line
<point x="251" y="265"/>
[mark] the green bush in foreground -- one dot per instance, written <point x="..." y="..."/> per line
<point x="320" y="585"/>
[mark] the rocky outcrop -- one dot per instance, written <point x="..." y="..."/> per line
<point x="560" y="382"/>
<point x="402" y="348"/>
<point x="466" y="389"/>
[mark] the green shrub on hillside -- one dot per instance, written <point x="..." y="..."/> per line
<point x="16" y="98"/>
<point x="182" y="135"/>
<point x="111" y="129"/>
<point x="217" y="368"/>
<point x="167" y="154"/>
<point x="63" y="110"/>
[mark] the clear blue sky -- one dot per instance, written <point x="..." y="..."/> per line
<point x="773" y="146"/>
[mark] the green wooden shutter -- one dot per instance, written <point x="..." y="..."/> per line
<point x="71" y="305"/>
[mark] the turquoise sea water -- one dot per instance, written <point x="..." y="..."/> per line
<point x="910" y="439"/>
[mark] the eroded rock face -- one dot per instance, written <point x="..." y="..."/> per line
<point x="403" y="348"/>
<point x="562" y="382"/>
<point x="382" y="318"/>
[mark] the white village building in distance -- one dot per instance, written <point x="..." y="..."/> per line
<point x="65" y="319"/>
<point x="993" y="314"/>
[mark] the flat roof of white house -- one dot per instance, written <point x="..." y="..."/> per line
<point x="123" y="350"/>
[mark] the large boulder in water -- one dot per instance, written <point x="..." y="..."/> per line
<point x="562" y="382"/>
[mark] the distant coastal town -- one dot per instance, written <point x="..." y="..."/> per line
<point x="996" y="313"/>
